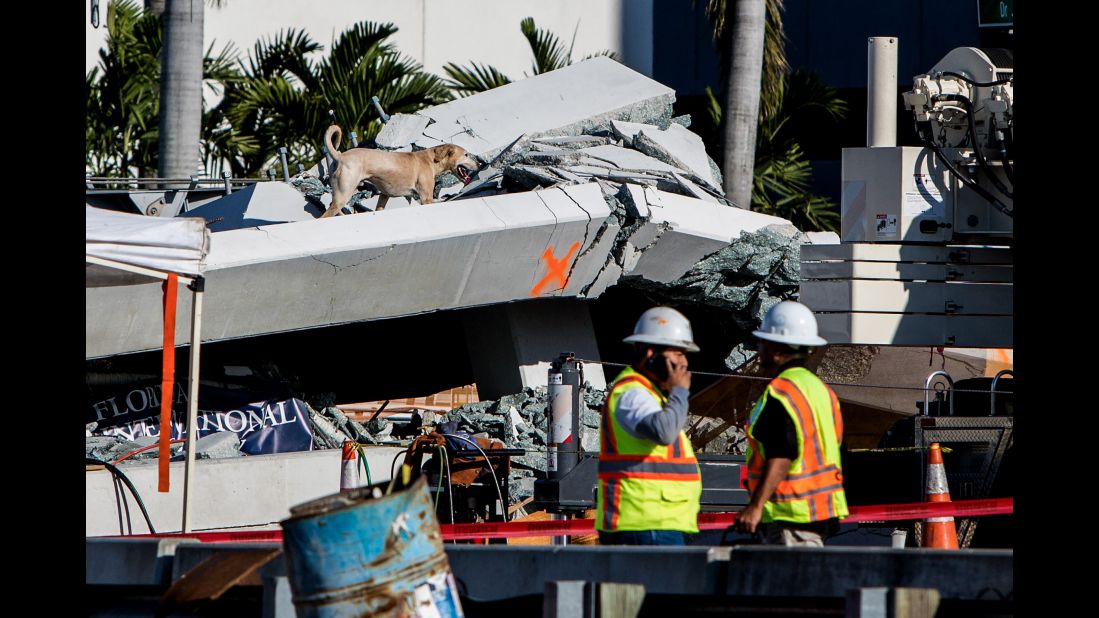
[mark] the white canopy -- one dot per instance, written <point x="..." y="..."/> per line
<point x="177" y="245"/>
<point x="125" y="249"/>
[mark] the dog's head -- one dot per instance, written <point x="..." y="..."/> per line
<point x="454" y="159"/>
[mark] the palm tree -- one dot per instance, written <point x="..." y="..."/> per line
<point x="549" y="55"/>
<point x="780" y="184"/>
<point x="745" y="69"/>
<point x="780" y="173"/>
<point x="285" y="96"/>
<point x="123" y="96"/>
<point x="181" y="88"/>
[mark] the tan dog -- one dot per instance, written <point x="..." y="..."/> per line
<point x="395" y="174"/>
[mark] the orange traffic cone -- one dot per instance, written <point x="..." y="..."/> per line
<point x="938" y="531"/>
<point x="349" y="469"/>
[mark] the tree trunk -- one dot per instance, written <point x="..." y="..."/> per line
<point x="745" y="24"/>
<point x="181" y="88"/>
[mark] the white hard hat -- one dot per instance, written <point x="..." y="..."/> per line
<point x="663" y="326"/>
<point x="791" y="323"/>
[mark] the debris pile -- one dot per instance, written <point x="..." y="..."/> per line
<point x="110" y="448"/>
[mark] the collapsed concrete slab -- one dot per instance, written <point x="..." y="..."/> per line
<point x="568" y="101"/>
<point x="681" y="148"/>
<point x="588" y="184"/>
<point x="263" y="203"/>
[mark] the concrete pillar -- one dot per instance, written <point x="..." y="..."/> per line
<point x="567" y="599"/>
<point x="881" y="92"/>
<point x="511" y="345"/>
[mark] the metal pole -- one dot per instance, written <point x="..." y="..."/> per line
<point x="881" y="92"/>
<point x="995" y="381"/>
<point x="198" y="286"/>
<point x="563" y="539"/>
<point x="378" y="106"/>
<point x="285" y="166"/>
<point x="927" y="391"/>
<point x="226" y="176"/>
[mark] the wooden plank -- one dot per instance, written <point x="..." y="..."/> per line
<point x="909" y="297"/>
<point x="903" y="271"/>
<point x="215" y="576"/>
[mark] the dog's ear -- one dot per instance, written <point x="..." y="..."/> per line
<point x="442" y="153"/>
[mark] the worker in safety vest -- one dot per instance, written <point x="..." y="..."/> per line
<point x="794" y="436"/>
<point x="649" y="481"/>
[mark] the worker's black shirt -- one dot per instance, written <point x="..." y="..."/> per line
<point x="774" y="430"/>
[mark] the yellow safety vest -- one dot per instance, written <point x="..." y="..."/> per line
<point x="813" y="487"/>
<point x="644" y="485"/>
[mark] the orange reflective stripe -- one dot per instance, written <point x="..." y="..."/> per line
<point x="652" y="476"/>
<point x="783" y="494"/>
<point x="837" y="417"/>
<point x="786" y="389"/>
<point x="806" y="480"/>
<point x="607" y="432"/>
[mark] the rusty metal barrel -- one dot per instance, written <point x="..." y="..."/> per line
<point x="361" y="553"/>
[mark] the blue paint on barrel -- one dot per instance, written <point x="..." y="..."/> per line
<point x="350" y="554"/>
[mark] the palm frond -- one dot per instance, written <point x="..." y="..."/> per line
<point x="604" y="52"/>
<point x="775" y="65"/>
<point x="780" y="187"/>
<point x="284" y="54"/>
<point x="477" y="78"/>
<point x="549" y="53"/>
<point x="361" y="41"/>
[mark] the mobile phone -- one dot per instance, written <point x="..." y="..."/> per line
<point x="659" y="366"/>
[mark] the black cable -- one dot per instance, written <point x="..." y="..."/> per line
<point x="126" y="505"/>
<point x="999" y="82"/>
<point x="392" y="464"/>
<point x="133" y="490"/>
<point x="118" y="503"/>
<point x="965" y="180"/>
<point x="973" y="139"/>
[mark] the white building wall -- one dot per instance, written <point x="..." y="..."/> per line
<point x="434" y="32"/>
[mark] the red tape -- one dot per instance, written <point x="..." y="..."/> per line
<point x="706" y="521"/>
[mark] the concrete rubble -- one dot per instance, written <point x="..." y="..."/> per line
<point x="519" y="420"/>
<point x="108" y="448"/>
<point x="585" y="162"/>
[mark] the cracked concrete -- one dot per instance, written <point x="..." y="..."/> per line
<point x="557" y="174"/>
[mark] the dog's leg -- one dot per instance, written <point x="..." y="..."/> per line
<point x="339" y="200"/>
<point x="426" y="189"/>
<point x="344" y="182"/>
<point x="382" y="199"/>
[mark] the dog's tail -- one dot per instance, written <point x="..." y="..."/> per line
<point x="332" y="149"/>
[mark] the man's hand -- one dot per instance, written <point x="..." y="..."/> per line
<point x="748" y="519"/>
<point x="678" y="374"/>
